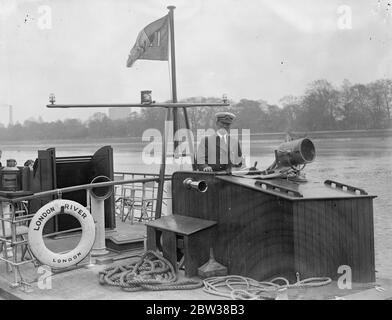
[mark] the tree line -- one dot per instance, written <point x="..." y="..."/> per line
<point x="322" y="107"/>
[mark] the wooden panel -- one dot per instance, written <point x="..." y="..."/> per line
<point x="181" y="225"/>
<point x="51" y="173"/>
<point x="211" y="205"/>
<point x="71" y="173"/>
<point x="169" y="248"/>
<point x="44" y="178"/>
<point x="261" y="235"/>
<point x="297" y="231"/>
<point x="151" y="239"/>
<point x="356" y="239"/>
<point x="348" y="208"/>
<point x="367" y="241"/>
<point x="82" y="170"/>
<point x="370" y="224"/>
<point x="332" y="233"/>
<point x="196" y="247"/>
<point x="254" y="232"/>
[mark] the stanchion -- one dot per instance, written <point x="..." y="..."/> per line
<point x="97" y="199"/>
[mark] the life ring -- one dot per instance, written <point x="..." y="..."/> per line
<point x="37" y="224"/>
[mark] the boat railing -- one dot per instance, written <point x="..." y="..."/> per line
<point x="136" y="201"/>
<point x="19" y="210"/>
<point x="14" y="211"/>
<point x="59" y="191"/>
<point x="15" y="215"/>
<point x="143" y="187"/>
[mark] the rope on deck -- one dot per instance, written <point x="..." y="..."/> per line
<point x="243" y="288"/>
<point x="152" y="272"/>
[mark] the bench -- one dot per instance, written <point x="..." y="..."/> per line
<point x="197" y="240"/>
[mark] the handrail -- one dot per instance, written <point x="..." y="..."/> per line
<point x="77" y="188"/>
<point x="139" y="174"/>
<point x="140" y="105"/>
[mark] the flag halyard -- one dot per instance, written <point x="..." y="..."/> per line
<point x="152" y="42"/>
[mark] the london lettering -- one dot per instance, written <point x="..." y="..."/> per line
<point x="38" y="223"/>
<point x="49" y="211"/>
<point x="65" y="260"/>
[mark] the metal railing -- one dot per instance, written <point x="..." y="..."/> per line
<point x="18" y="215"/>
<point x="137" y="201"/>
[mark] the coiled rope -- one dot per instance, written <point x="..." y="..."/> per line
<point x="243" y="288"/>
<point x="151" y="272"/>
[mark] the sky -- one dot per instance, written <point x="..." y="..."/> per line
<point x="255" y="49"/>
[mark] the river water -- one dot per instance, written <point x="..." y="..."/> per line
<point x="361" y="162"/>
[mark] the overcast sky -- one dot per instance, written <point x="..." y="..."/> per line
<point x="256" y="49"/>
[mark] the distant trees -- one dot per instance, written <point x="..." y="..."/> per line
<point x="322" y="107"/>
<point x="203" y="117"/>
<point x="355" y="107"/>
<point x="250" y="114"/>
<point x="291" y="111"/>
<point x="366" y="106"/>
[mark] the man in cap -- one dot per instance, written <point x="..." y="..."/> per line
<point x="220" y="151"/>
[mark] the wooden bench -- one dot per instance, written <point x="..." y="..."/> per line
<point x="197" y="240"/>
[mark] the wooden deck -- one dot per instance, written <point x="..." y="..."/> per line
<point x="82" y="284"/>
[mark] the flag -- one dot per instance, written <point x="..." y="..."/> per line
<point x="152" y="42"/>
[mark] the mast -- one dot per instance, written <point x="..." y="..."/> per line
<point x="173" y="70"/>
<point x="172" y="54"/>
<point x="158" y="207"/>
<point x="174" y="86"/>
<point x="162" y="171"/>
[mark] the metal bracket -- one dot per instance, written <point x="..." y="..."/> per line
<point x="344" y="187"/>
<point x="278" y="189"/>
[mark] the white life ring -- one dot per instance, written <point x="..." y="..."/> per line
<point x="37" y="224"/>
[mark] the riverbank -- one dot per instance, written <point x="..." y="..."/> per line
<point x="382" y="133"/>
<point x="373" y="133"/>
